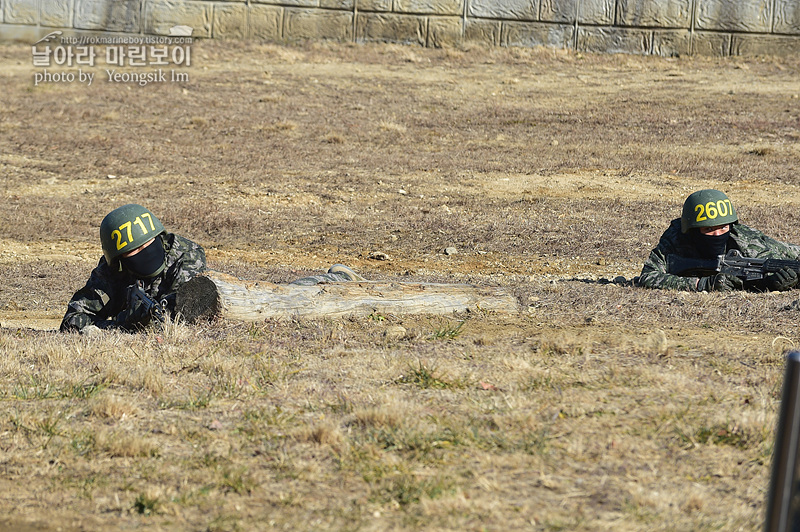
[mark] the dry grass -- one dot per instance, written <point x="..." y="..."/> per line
<point x="561" y="427"/>
<point x="598" y="407"/>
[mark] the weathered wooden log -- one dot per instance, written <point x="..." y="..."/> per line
<point x="218" y="295"/>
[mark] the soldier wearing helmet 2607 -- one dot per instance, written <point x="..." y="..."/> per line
<point x="136" y="250"/>
<point x="709" y="227"/>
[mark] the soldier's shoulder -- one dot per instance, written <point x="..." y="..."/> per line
<point x="674" y="227"/>
<point x="182" y="243"/>
<point x="740" y="229"/>
<point x="102" y="270"/>
<point x="672" y="234"/>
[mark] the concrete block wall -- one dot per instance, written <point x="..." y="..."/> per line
<point x="659" y="27"/>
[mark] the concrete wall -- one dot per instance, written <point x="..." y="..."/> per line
<point x="659" y="27"/>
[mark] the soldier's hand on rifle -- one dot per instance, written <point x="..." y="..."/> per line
<point x="782" y="280"/>
<point x="720" y="282"/>
<point x="135" y="314"/>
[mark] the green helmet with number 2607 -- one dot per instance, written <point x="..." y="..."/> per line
<point x="707" y="208"/>
<point x="125" y="229"/>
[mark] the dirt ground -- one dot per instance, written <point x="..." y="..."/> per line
<point x="552" y="173"/>
<point x="529" y="162"/>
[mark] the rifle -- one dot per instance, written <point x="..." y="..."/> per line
<point x="732" y="263"/>
<point x="157" y="310"/>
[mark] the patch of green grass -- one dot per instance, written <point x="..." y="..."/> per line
<point x="260" y="423"/>
<point x="225" y="523"/>
<point x="405" y="487"/>
<point x="426" y="376"/>
<point x="415" y="441"/>
<point x="722" y="434"/>
<point x="146" y="504"/>
<point x="725" y="433"/>
<point x="83" y="442"/>
<point x="33" y="387"/>
<point x="237" y="480"/>
<point x="447" y="331"/>
<point x="191" y="497"/>
<point x="84" y="485"/>
<point x="194" y="401"/>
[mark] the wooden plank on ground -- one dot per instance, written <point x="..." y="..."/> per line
<point x="218" y="295"/>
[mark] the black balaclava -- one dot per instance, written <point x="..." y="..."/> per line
<point x="149" y="262"/>
<point x="709" y="246"/>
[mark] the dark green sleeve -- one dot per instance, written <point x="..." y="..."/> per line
<point x="654" y="272"/>
<point x="753" y="243"/>
<point x="94" y="304"/>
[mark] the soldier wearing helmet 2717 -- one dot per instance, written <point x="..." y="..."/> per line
<point x="136" y="251"/>
<point x="141" y="260"/>
<point x="709" y="227"/>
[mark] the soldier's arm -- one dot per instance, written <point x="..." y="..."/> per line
<point x="754" y="243"/>
<point x="782" y="250"/>
<point x="95" y="304"/>
<point x="655" y="275"/>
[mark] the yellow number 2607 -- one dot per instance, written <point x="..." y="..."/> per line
<point x="712" y="210"/>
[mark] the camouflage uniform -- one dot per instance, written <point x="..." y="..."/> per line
<point x="750" y="242"/>
<point x="105" y="293"/>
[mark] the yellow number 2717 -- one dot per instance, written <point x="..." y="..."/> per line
<point x="127" y="228"/>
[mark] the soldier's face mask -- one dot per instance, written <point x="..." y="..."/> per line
<point x="148" y="262"/>
<point x="709" y="246"/>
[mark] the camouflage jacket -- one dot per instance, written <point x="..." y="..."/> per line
<point x="105" y="293"/>
<point x="751" y="243"/>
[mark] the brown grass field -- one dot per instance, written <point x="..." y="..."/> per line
<point x="599" y="406"/>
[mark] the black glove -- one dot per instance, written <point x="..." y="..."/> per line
<point x="782" y="280"/>
<point x="135" y="313"/>
<point x="722" y="282"/>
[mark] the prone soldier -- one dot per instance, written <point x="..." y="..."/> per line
<point x="143" y="266"/>
<point x="709" y="231"/>
<point x="137" y="253"/>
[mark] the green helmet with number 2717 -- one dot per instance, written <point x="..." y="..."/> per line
<point x="125" y="229"/>
<point x="707" y="208"/>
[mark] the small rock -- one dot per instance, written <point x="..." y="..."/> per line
<point x="402" y="192"/>
<point x="658" y="342"/>
<point x="394" y="333"/>
<point x="91" y="330"/>
<point x="378" y="255"/>
<point x="450" y="250"/>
